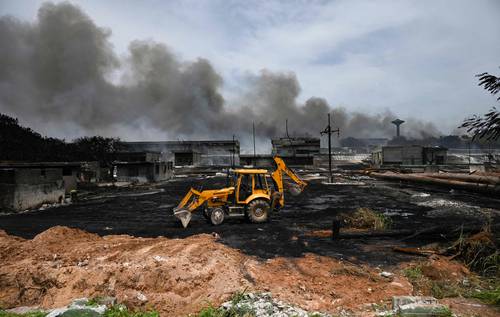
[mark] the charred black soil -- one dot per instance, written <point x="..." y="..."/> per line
<point x="147" y="212"/>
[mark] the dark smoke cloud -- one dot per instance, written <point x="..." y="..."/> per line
<point x="58" y="69"/>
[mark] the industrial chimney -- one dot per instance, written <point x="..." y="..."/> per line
<point x="397" y="123"/>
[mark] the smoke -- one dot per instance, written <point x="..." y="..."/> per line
<point x="61" y="70"/>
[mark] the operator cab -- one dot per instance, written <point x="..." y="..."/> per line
<point x="249" y="182"/>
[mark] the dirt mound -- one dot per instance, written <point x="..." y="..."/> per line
<point x="58" y="234"/>
<point x="320" y="283"/>
<point x="178" y="276"/>
<point x="440" y="268"/>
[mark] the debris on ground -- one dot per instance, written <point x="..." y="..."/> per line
<point x="82" y="307"/>
<point x="479" y="252"/>
<point x="453" y="284"/>
<point x="178" y="276"/>
<point x="292" y="256"/>
<point x="413" y="306"/>
<point x="261" y="305"/>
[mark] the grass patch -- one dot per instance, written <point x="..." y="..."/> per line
<point x="474" y="286"/>
<point x="94" y="302"/>
<point x="440" y="289"/>
<point x="241" y="311"/>
<point x="122" y="311"/>
<point x="113" y="311"/>
<point x="478" y="252"/>
<point x="238" y="297"/>
<point x="3" y="313"/>
<point x="366" y="218"/>
<point x="413" y="273"/>
<point x="236" y="309"/>
<point x="211" y="311"/>
<point x="491" y="297"/>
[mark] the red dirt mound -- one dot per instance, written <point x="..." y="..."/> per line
<point x="175" y="276"/>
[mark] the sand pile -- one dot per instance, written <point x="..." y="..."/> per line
<point x="175" y="276"/>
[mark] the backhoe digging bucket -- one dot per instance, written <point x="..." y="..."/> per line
<point x="294" y="189"/>
<point x="183" y="215"/>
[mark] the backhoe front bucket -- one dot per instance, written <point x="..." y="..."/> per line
<point x="183" y="215"/>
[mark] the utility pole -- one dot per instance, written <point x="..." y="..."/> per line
<point x="253" y="126"/>
<point x="233" y="154"/>
<point x="328" y="130"/>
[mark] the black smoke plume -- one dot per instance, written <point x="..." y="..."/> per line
<point x="61" y="71"/>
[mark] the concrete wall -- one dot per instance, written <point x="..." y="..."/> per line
<point x="392" y="155"/>
<point x="257" y="161"/>
<point x="206" y="153"/>
<point x="435" y="155"/>
<point x="144" y="172"/>
<point x="409" y="155"/>
<point x="296" y="147"/>
<point x="412" y="155"/>
<point x="25" y="188"/>
<point x="70" y="178"/>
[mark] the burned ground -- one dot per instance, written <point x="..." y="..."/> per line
<point x="147" y="212"/>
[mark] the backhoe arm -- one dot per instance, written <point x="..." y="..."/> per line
<point x="277" y="176"/>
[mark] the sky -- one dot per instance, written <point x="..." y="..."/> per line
<point x="415" y="58"/>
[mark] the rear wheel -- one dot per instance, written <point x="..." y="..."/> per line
<point x="217" y="216"/>
<point x="258" y="211"/>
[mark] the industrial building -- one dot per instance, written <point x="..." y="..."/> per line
<point x="259" y="160"/>
<point x="192" y="153"/>
<point x="296" y="150"/>
<point x="409" y="155"/>
<point x="142" y="167"/>
<point x="29" y="185"/>
<point x="360" y="145"/>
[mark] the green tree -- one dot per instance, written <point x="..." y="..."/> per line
<point x="97" y="148"/>
<point x="488" y="126"/>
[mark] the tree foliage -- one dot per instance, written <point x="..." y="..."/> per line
<point x="18" y="143"/>
<point x="488" y="126"/>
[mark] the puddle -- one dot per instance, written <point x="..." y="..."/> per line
<point x="166" y="206"/>
<point x="316" y="207"/>
<point x="439" y="202"/>
<point x="420" y="195"/>
<point x="444" y="207"/>
<point x="344" y="183"/>
<point x="397" y="212"/>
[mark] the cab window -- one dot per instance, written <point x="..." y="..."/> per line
<point x="245" y="186"/>
<point x="259" y="182"/>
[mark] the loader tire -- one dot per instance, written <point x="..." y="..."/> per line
<point x="258" y="211"/>
<point x="217" y="216"/>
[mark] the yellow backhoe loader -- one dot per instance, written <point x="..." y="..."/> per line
<point x="251" y="196"/>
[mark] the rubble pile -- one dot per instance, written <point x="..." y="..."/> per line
<point x="264" y="305"/>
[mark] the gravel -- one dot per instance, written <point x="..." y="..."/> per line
<point x="263" y="305"/>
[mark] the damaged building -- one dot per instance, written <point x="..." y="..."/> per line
<point x="142" y="167"/>
<point x="192" y="153"/>
<point x="296" y="150"/>
<point x="258" y="160"/>
<point x="29" y="185"/>
<point x="409" y="155"/>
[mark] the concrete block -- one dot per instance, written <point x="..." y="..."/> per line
<point x="398" y="301"/>
<point x="424" y="310"/>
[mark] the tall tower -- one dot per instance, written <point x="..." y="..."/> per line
<point x="397" y="123"/>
